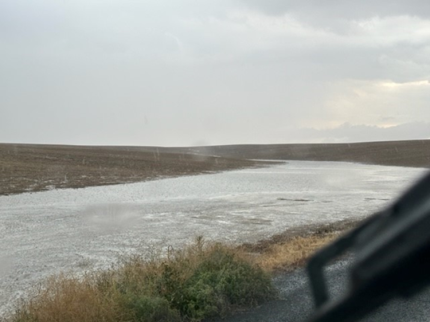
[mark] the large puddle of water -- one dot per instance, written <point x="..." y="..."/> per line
<point x="81" y="229"/>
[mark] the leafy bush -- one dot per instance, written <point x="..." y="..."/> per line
<point x="221" y="282"/>
<point x="151" y="309"/>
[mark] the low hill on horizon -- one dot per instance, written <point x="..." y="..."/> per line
<point x="414" y="153"/>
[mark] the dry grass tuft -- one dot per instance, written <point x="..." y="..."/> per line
<point x="292" y="253"/>
<point x="64" y="298"/>
<point x="292" y="248"/>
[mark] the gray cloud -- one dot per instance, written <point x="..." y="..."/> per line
<point x="179" y="72"/>
<point x="342" y="9"/>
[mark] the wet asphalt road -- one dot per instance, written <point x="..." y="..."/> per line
<point x="295" y="303"/>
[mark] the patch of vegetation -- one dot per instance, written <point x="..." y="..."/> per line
<point x="204" y="280"/>
<point x="293" y="253"/>
<point x="292" y="248"/>
<point x="201" y="281"/>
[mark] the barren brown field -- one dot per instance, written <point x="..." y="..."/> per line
<point x="26" y="167"/>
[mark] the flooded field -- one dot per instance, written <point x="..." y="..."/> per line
<point x="81" y="229"/>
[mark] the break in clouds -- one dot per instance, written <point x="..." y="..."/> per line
<point x="191" y="72"/>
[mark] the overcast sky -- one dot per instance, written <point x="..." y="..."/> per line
<point x="193" y="72"/>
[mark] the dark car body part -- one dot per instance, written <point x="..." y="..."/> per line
<point x="391" y="258"/>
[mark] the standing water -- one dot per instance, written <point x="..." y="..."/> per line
<point x="81" y="229"/>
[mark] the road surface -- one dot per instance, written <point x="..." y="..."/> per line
<point x="295" y="303"/>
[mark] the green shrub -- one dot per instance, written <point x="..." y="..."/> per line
<point x="150" y="309"/>
<point x="220" y="282"/>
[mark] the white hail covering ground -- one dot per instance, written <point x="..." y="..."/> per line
<point x="81" y="229"/>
